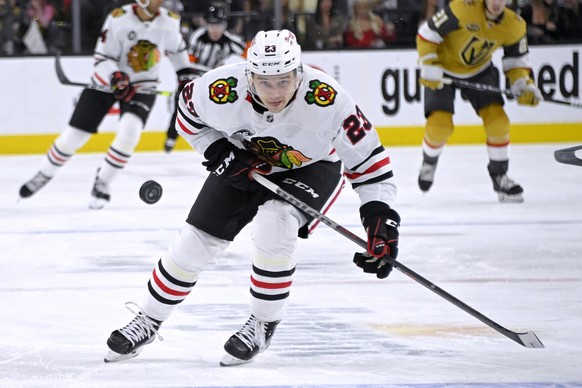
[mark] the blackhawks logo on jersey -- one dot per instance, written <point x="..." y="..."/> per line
<point x="321" y="94"/>
<point x="276" y="154"/>
<point x="222" y="90"/>
<point x="143" y="56"/>
<point x="173" y="15"/>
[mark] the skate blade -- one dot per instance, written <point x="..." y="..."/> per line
<point x="97" y="203"/>
<point x="114" y="356"/>
<point x="507" y="198"/>
<point x="229" y="360"/>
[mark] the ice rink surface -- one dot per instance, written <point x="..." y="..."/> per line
<point x="66" y="272"/>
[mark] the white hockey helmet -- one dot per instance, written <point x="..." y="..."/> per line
<point x="274" y="52"/>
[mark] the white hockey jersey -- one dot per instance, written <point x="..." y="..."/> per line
<point x="321" y="123"/>
<point x="128" y="44"/>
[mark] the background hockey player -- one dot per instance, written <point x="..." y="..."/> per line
<point x="295" y="123"/>
<point x="459" y="41"/>
<point x="209" y="46"/>
<point x="127" y="57"/>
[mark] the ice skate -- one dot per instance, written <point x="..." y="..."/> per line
<point x="426" y="176"/>
<point x="129" y="341"/>
<point x="169" y="145"/>
<point x="253" y="338"/>
<point x="34" y="185"/>
<point x="100" y="194"/>
<point x="507" y="190"/>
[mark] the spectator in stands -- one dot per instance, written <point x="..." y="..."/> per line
<point x="43" y="13"/>
<point x="427" y="9"/>
<point x="287" y="17"/>
<point x="541" y="17"/>
<point x="325" y="29"/>
<point x="366" y="29"/>
<point x="9" y="26"/>
<point x="262" y="10"/>
<point x="570" y="20"/>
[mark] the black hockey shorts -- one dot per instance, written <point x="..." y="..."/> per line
<point x="443" y="99"/>
<point x="93" y="105"/>
<point x="223" y="211"/>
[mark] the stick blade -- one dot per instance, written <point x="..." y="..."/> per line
<point x="530" y="340"/>
<point x="568" y="156"/>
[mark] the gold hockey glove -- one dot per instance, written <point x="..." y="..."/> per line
<point x="431" y="73"/>
<point x="526" y="92"/>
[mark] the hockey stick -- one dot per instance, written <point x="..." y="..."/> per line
<point x="63" y="79"/>
<point x="527" y="339"/>
<point x="567" y="156"/>
<point x="489" y="88"/>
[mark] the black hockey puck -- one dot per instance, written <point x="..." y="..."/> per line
<point x="150" y="192"/>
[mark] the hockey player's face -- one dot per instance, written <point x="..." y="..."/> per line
<point x="275" y="91"/>
<point x="494" y="8"/>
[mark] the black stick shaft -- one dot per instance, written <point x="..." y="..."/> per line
<point x="489" y="88"/>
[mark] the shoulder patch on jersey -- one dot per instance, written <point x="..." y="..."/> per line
<point x="222" y="91"/>
<point x="117" y="12"/>
<point x="173" y="15"/>
<point x="276" y="154"/>
<point x="321" y="94"/>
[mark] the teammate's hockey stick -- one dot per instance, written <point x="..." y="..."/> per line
<point x="63" y="79"/>
<point x="489" y="88"/>
<point x="527" y="339"/>
<point x="568" y="156"/>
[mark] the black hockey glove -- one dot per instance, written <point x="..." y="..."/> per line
<point x="122" y="89"/>
<point x="381" y="224"/>
<point x="227" y="161"/>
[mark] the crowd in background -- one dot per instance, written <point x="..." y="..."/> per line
<point x="318" y="24"/>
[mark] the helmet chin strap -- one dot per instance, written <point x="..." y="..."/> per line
<point x="144" y="7"/>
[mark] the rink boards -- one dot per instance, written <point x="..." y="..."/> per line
<point x="384" y="83"/>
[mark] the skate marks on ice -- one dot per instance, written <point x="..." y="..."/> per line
<point x="309" y="332"/>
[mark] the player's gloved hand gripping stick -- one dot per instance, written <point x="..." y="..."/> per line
<point x="233" y="164"/>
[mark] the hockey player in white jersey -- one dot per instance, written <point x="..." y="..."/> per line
<point x="278" y="117"/>
<point x="127" y="56"/>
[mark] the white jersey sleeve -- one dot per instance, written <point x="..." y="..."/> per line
<point x="190" y="125"/>
<point x="106" y="54"/>
<point x="366" y="161"/>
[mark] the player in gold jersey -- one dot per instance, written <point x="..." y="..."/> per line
<point x="458" y="42"/>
